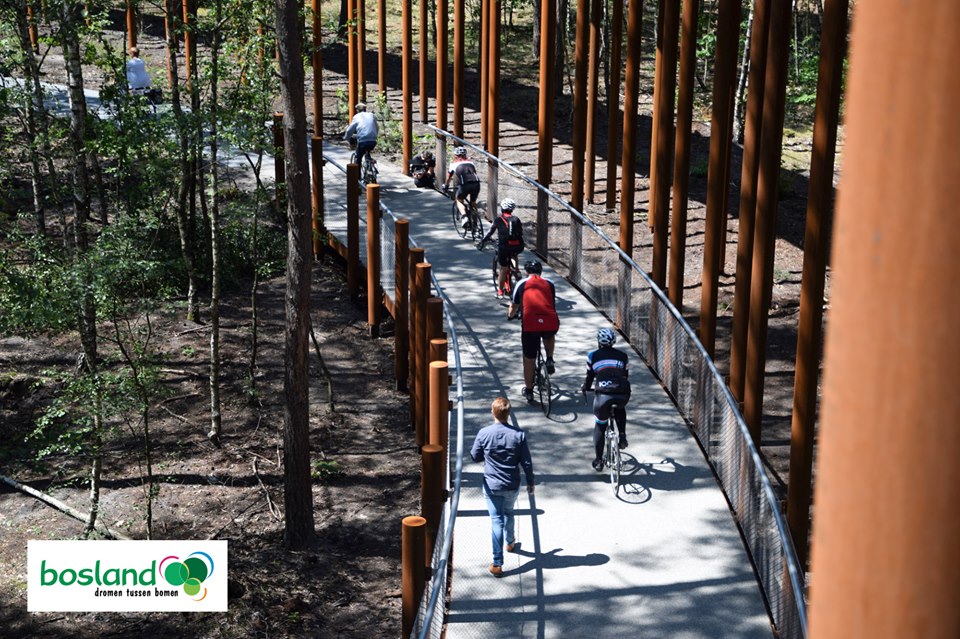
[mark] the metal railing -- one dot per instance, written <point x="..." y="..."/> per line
<point x="582" y="253"/>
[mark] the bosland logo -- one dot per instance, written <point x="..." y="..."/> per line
<point x="121" y="576"/>
<point x="189" y="573"/>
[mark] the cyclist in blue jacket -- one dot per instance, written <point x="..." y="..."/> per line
<point x="608" y="365"/>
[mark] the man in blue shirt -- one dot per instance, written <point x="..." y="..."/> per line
<point x="504" y="450"/>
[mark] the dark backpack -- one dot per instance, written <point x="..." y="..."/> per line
<point x="514" y="230"/>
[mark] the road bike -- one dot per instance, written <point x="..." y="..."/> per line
<point x="541" y="381"/>
<point x="512" y="279"/>
<point x="612" y="460"/>
<point x="470" y="223"/>
<point x="368" y="170"/>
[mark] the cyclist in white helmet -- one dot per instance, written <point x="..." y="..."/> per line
<point x="468" y="182"/>
<point x="608" y="365"/>
<point x="509" y="230"/>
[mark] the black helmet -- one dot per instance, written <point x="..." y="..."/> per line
<point x="534" y="267"/>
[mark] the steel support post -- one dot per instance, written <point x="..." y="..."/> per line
<point x="431" y="494"/>
<point x="443" y="25"/>
<point x="681" y="170"/>
<point x="34" y="36"/>
<point x="362" y="49"/>
<point x="459" y="66"/>
<point x="833" y="42"/>
<point x="439" y="402"/>
<point x="581" y="52"/>
<point x="493" y="82"/>
<point x="401" y="338"/>
<point x="613" y="104"/>
<point x="764" y="237"/>
<point x="424" y="58"/>
<point x="422" y="278"/>
<point x="548" y="31"/>
<point x="484" y="67"/>
<point x="660" y="196"/>
<point x="316" y="174"/>
<point x="374" y="287"/>
<point x="886" y="538"/>
<point x="728" y="36"/>
<point x="131" y="23"/>
<point x="413" y="570"/>
<point x="416" y="257"/>
<point x="748" y="195"/>
<point x="407" y="46"/>
<point x="631" y="89"/>
<point x="593" y="84"/>
<point x="352" y="94"/>
<point x="353" y="230"/>
<point x="382" y="47"/>
<point x="317" y="60"/>
<point x="189" y="45"/>
<point x="654" y="128"/>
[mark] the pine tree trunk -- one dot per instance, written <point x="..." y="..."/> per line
<point x="215" y="412"/>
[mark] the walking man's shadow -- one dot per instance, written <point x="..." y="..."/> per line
<point x="552" y="560"/>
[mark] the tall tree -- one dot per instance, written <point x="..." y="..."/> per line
<point x="298" y="493"/>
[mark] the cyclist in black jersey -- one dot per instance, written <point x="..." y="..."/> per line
<point x="468" y="182"/>
<point x="510" y="244"/>
<point x="608" y="365"/>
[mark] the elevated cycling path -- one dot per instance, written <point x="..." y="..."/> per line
<point x="664" y="559"/>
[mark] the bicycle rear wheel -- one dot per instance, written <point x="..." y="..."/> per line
<point x="458" y="220"/>
<point x="613" y="460"/>
<point x="495" y="272"/>
<point x="543" y="387"/>
<point x="476" y="224"/>
<point x="370" y="174"/>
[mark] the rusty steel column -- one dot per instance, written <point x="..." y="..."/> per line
<point x="748" y="195"/>
<point x="833" y="42"/>
<point x="131" y="23"/>
<point x="484" y="67"/>
<point x="681" y="170"/>
<point x="593" y="83"/>
<point x="353" y="230"/>
<point x="316" y="182"/>
<point x="416" y="257"/>
<point x="362" y="49"/>
<point x="631" y="89"/>
<point x="374" y="288"/>
<point x="728" y="36"/>
<point x="493" y="79"/>
<point x="581" y="51"/>
<point x="613" y="104"/>
<point x="655" y="118"/>
<point x="32" y="29"/>
<point x="168" y="29"/>
<point x="548" y="30"/>
<point x="413" y="570"/>
<point x="316" y="141"/>
<point x="886" y="540"/>
<point x="432" y="478"/>
<point x="407" y="46"/>
<point x="459" y="66"/>
<point x="189" y="42"/>
<point x="382" y="47"/>
<point x="764" y="237"/>
<point x="442" y="46"/>
<point x="352" y="94"/>
<point x="424" y="59"/>
<point x="401" y="338"/>
<point x="439" y="402"/>
<point x="421" y="276"/>
<point x="278" y="162"/>
<point x="660" y="195"/>
<point x="317" y="60"/>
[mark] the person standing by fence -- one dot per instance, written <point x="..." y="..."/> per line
<point x="503" y="449"/>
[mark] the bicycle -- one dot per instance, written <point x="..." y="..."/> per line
<point x="541" y="381"/>
<point x="368" y="170"/>
<point x="612" y="459"/>
<point x="513" y="277"/>
<point x="474" y="224"/>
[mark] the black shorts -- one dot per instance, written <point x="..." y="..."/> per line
<point x="603" y="404"/>
<point x="504" y="253"/>
<point x="530" y="342"/>
<point x="470" y="188"/>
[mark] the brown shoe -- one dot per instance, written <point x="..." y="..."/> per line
<point x="513" y="546"/>
<point x="496" y="571"/>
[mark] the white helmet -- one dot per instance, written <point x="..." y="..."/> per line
<point x="606" y="337"/>
<point x="460" y="151"/>
<point x="507" y="205"/>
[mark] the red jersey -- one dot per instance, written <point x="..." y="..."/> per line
<point x="536" y="297"/>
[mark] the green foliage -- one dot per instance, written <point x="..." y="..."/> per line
<point x="324" y="470"/>
<point x="36" y="289"/>
<point x="391" y="129"/>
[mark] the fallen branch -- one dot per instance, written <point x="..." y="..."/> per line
<point x="178" y="397"/>
<point x="273" y="509"/>
<point x="62" y="507"/>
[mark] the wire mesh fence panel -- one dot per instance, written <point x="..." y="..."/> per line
<point x="388" y="251"/>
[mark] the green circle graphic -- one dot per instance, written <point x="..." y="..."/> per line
<point x="197" y="568"/>
<point x="176" y="573"/>
<point x="191" y="586"/>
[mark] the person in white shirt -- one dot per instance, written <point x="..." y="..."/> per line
<point x="138" y="80"/>
<point x="364" y="127"/>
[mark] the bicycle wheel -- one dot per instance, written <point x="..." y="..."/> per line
<point x="371" y="172"/>
<point x="495" y="272"/>
<point x="543" y="385"/>
<point x="613" y="459"/>
<point x="458" y="220"/>
<point x="477" y="224"/>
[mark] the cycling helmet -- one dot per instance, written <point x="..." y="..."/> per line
<point x="361" y="107"/>
<point x="606" y="337"/>
<point x="460" y="152"/>
<point x="507" y="205"/>
<point x="534" y="267"/>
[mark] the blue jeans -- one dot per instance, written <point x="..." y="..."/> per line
<point x="500" y="505"/>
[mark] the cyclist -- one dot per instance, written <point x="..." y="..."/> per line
<point x="536" y="301"/>
<point x="609" y="366"/>
<point x="468" y="182"/>
<point x="364" y="128"/>
<point x="510" y="243"/>
<point x="138" y="80"/>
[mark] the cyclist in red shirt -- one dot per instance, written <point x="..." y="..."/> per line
<point x="535" y="301"/>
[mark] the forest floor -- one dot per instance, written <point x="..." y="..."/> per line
<point x="347" y="585"/>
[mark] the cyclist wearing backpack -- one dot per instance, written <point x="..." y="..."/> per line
<point x="468" y="182"/>
<point x="510" y="243"/>
<point x="608" y="365"/>
<point x="536" y="301"/>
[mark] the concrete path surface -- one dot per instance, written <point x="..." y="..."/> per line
<point x="664" y="559"/>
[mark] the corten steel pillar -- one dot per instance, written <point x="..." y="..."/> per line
<point x="886" y="540"/>
<point x="416" y="257"/>
<point x="316" y="175"/>
<point x="833" y="40"/>
<point x="374" y="289"/>
<point x="593" y="83"/>
<point x="421" y="277"/>
<point x="362" y="49"/>
<point x="353" y="230"/>
<point x="169" y="38"/>
<point x="657" y="71"/>
<point x="413" y="570"/>
<point x="317" y="61"/>
<point x="459" y="66"/>
<point x="32" y="29"/>
<point x="548" y="34"/>
<point x="631" y="89"/>
<point x="401" y="338"/>
<point x="442" y="45"/>
<point x="189" y="43"/>
<point x="660" y="196"/>
<point x="431" y="495"/>
<point x="728" y="36"/>
<point x="407" y="46"/>
<point x="613" y="104"/>
<point x="316" y="140"/>
<point x="748" y="195"/>
<point x="439" y="401"/>
<point x="681" y="170"/>
<point x="493" y="84"/>
<point x="424" y="58"/>
<point x="279" y="165"/>
<point x="382" y="45"/>
<point x="131" y="23"/>
<point x="764" y="236"/>
<point x="581" y="51"/>
<point x="484" y="67"/>
<point x="352" y="65"/>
